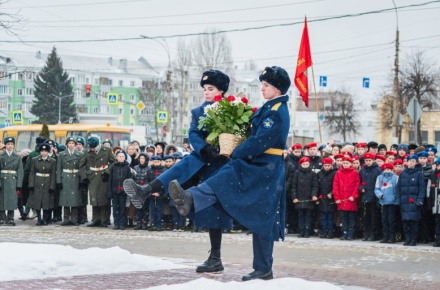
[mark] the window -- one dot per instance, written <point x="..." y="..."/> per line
<point x="132" y="112"/>
<point x="121" y="97"/>
<point x="132" y="97"/>
<point x="132" y="83"/>
<point x="72" y="80"/>
<point x="20" y="77"/>
<point x="96" y="96"/>
<point x="20" y="107"/>
<point x="87" y="81"/>
<point x="3" y="89"/>
<point x="96" y="82"/>
<point x="104" y="109"/>
<point x="120" y="83"/>
<point x="306" y="133"/>
<point x="437" y="139"/>
<point x="81" y="79"/>
<point x="120" y="111"/>
<point x="20" y="92"/>
<point x="412" y="139"/>
<point x="95" y="110"/>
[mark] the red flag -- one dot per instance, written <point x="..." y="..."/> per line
<point x="304" y="62"/>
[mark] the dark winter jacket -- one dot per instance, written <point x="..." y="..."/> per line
<point x="411" y="191"/>
<point x="427" y="171"/>
<point x="434" y="192"/>
<point x="294" y="160"/>
<point x="289" y="171"/>
<point x="315" y="163"/>
<point x="143" y="175"/>
<point x="304" y="187"/>
<point x="368" y="175"/>
<point x="154" y="172"/>
<point x="325" y="182"/>
<point x="346" y="185"/>
<point x="119" y="171"/>
<point x="134" y="161"/>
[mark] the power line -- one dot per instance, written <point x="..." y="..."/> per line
<point x="80" y="4"/>
<point x="222" y="31"/>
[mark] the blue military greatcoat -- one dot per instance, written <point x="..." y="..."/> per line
<point x="191" y="165"/>
<point x="251" y="187"/>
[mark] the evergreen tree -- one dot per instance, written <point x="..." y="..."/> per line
<point x="45" y="130"/>
<point x="52" y="82"/>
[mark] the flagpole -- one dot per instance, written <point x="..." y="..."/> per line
<point x="316" y="103"/>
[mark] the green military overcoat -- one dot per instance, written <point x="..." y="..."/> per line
<point x="11" y="177"/>
<point x="68" y="176"/>
<point x="93" y="167"/>
<point x="44" y="186"/>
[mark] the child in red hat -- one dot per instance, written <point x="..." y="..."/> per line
<point x="326" y="206"/>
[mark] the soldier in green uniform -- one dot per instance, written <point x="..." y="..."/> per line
<point x="57" y="209"/>
<point x="94" y="170"/>
<point x="68" y="181"/>
<point x="11" y="181"/>
<point x="42" y="182"/>
<point x="83" y="187"/>
<point x="27" y="168"/>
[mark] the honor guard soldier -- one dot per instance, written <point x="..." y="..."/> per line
<point x="68" y="181"/>
<point x="42" y="182"/>
<point x="94" y="171"/>
<point x="84" y="188"/>
<point x="11" y="181"/>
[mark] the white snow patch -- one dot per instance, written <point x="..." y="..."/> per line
<point x="275" y="284"/>
<point x="49" y="260"/>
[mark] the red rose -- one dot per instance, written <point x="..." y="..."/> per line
<point x="320" y="196"/>
<point x="438" y="174"/>
<point x="103" y="166"/>
<point x="156" y="173"/>
<point x="364" y="183"/>
<point x="142" y="182"/>
<point x="411" y="200"/>
<point x="231" y="98"/>
<point x="218" y="98"/>
<point x="384" y="184"/>
<point x="254" y="109"/>
<point x="119" y="188"/>
<point x="244" y="100"/>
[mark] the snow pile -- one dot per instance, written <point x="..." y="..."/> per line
<point x="275" y="284"/>
<point x="48" y="260"/>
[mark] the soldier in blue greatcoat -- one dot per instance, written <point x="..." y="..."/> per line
<point x="251" y="187"/>
<point x="203" y="161"/>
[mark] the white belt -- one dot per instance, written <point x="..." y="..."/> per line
<point x="70" y="171"/>
<point x="42" y="174"/>
<point x="98" y="168"/>
<point x="9" y="171"/>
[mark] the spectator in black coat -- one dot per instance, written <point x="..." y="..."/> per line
<point x="368" y="175"/>
<point x="326" y="202"/>
<point x="426" y="234"/>
<point x="305" y="191"/>
<point x="289" y="170"/>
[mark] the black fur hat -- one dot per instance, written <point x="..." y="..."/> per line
<point x="216" y="78"/>
<point x="277" y="77"/>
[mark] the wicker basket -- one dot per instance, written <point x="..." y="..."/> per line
<point x="228" y="142"/>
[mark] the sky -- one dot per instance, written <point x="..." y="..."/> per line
<point x="50" y="260"/>
<point x="346" y="50"/>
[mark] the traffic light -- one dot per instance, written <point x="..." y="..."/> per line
<point x="164" y="130"/>
<point x="88" y="88"/>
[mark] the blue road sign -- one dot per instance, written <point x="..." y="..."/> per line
<point x="323" y="81"/>
<point x="112" y="98"/>
<point x="366" y="83"/>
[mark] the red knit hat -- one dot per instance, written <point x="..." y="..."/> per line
<point x="355" y="158"/>
<point x="387" y="166"/>
<point x="304" y="159"/>
<point x="381" y="157"/>
<point x="337" y="156"/>
<point x="361" y="145"/>
<point x="347" y="154"/>
<point x="398" y="161"/>
<point x="390" y="153"/>
<point x="297" y="146"/>
<point x="327" y="160"/>
<point x="346" y="158"/>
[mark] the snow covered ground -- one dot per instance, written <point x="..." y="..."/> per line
<point x="50" y="260"/>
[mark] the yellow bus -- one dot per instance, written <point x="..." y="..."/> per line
<point x="25" y="135"/>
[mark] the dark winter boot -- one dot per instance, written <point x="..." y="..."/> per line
<point x="330" y="235"/>
<point x="407" y="233"/>
<point x="323" y="234"/>
<point x="22" y="215"/>
<point x="39" y="221"/>
<point x="130" y="223"/>
<point x="182" y="198"/>
<point x="138" y="193"/>
<point x="213" y="264"/>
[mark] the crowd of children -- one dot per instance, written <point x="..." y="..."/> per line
<point x="364" y="191"/>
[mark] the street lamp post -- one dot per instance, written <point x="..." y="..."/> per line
<point x="396" y="101"/>
<point x="170" y="126"/>
<point x="59" y="105"/>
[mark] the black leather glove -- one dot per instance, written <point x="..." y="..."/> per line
<point x="105" y="177"/>
<point x="211" y="152"/>
<point x="18" y="188"/>
<point x="85" y="181"/>
<point x="60" y="186"/>
<point x="51" y="191"/>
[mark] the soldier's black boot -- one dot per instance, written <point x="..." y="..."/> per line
<point x="39" y="221"/>
<point x="138" y="193"/>
<point x="21" y="211"/>
<point x="213" y="264"/>
<point x="182" y="198"/>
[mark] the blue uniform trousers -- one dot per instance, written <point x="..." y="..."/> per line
<point x="156" y="207"/>
<point x="204" y="196"/>
<point x="327" y="221"/>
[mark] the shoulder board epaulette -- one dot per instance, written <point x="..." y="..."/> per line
<point x="276" y="106"/>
